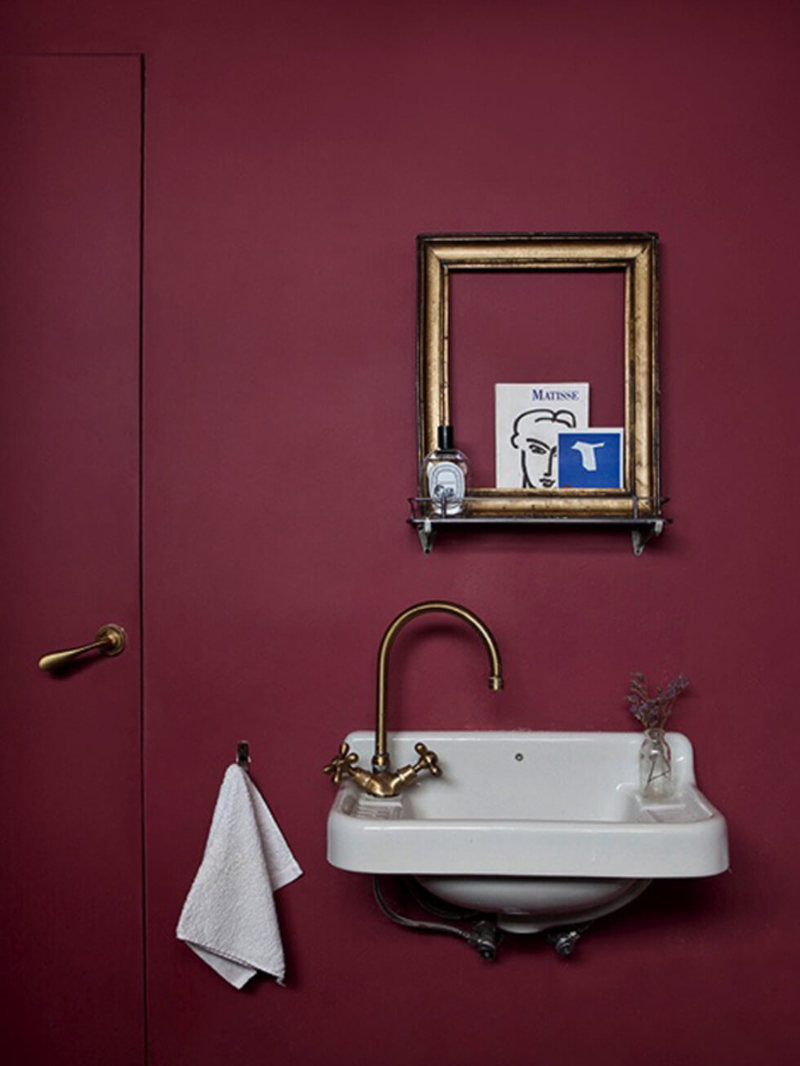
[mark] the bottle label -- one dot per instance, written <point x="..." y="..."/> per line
<point x="447" y="486"/>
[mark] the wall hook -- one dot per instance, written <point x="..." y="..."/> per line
<point x="243" y="755"/>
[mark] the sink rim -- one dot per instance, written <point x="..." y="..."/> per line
<point x="686" y="837"/>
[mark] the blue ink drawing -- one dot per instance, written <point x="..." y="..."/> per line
<point x="590" y="459"/>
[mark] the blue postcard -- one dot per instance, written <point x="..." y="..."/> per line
<point x="590" y="458"/>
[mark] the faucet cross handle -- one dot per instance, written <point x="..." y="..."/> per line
<point x="428" y="760"/>
<point x="340" y="764"/>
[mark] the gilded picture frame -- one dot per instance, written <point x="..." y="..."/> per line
<point x="634" y="255"/>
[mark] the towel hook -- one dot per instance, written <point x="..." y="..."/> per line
<point x="243" y="755"/>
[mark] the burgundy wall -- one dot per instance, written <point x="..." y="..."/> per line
<point x="294" y="150"/>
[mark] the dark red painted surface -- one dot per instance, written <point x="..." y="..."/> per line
<point x="71" y="888"/>
<point x="293" y="153"/>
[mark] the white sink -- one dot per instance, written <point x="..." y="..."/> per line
<point x="540" y="828"/>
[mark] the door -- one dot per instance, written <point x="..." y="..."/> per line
<point x="71" y="895"/>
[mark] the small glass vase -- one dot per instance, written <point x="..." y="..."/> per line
<point x="655" y="765"/>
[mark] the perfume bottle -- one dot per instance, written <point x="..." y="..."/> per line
<point x="445" y="475"/>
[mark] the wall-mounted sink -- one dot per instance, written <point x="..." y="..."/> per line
<point x="541" y="828"/>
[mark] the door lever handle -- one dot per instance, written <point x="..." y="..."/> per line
<point x="110" y="640"/>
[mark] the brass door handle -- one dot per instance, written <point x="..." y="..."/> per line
<point x="110" y="640"/>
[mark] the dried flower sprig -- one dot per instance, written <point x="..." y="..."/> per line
<point x="654" y="710"/>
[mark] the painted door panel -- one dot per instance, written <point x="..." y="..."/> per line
<point x="71" y="891"/>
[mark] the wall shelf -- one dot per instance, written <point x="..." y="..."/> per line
<point x="628" y="497"/>
<point x="427" y="525"/>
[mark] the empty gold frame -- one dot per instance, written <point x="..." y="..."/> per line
<point x="633" y="255"/>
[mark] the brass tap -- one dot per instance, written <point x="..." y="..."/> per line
<point x="381" y="781"/>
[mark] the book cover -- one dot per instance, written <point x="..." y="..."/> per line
<point x="528" y="420"/>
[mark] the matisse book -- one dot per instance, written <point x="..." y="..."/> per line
<point x="528" y="420"/>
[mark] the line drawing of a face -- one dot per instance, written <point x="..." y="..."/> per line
<point x="535" y="436"/>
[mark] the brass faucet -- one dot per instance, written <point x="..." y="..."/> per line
<point x="381" y="781"/>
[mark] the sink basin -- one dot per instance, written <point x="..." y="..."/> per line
<point x="540" y="828"/>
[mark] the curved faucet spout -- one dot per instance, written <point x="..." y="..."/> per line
<point x="380" y="760"/>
